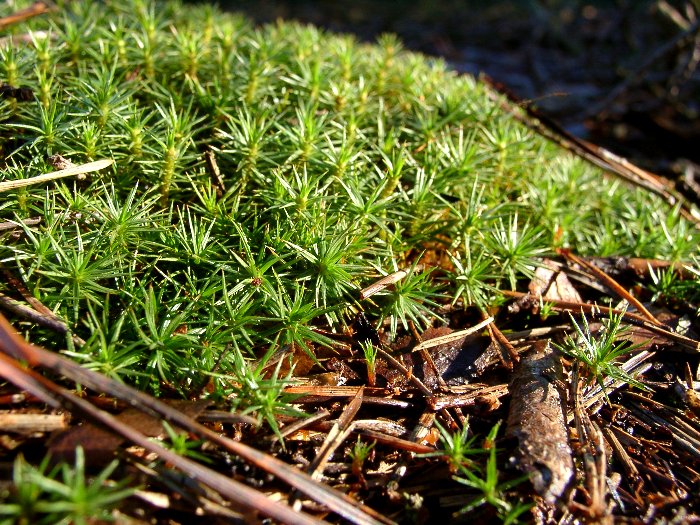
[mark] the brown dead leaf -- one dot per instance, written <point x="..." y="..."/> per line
<point x="551" y="284"/>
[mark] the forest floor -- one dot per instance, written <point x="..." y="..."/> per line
<point x="563" y="391"/>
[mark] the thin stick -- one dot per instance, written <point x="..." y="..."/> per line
<point x="335" y="437"/>
<point x="235" y="491"/>
<point x="622" y="455"/>
<point x="36" y="9"/>
<point x="638" y="320"/>
<point x="612" y="284"/>
<point x="11" y="344"/>
<point x="594" y="154"/>
<point x="505" y="343"/>
<point x="20" y="310"/>
<point x="38" y="313"/>
<point x="45" y="177"/>
<point x="302" y="423"/>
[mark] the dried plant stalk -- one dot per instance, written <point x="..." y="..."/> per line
<point x="45" y="177"/>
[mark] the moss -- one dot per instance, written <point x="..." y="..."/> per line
<point x="339" y="161"/>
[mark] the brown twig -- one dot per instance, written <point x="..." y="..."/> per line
<point x="611" y="283"/>
<point x="39" y="313"/>
<point x="11" y="225"/>
<point x="36" y="9"/>
<point x="622" y="456"/>
<point x="237" y="492"/>
<point x="598" y="156"/>
<point x="567" y="306"/>
<point x="335" y="437"/>
<point x="681" y="39"/>
<point x="20" y="310"/>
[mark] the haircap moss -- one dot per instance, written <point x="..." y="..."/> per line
<point x="262" y="176"/>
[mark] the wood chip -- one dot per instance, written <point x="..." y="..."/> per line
<point x="536" y="419"/>
<point x="31" y="423"/>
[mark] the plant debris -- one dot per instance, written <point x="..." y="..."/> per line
<point x="537" y="419"/>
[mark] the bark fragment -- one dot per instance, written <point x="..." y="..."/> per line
<point x="536" y="419"/>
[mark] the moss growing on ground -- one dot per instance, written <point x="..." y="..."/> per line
<point x="262" y="177"/>
<point x="339" y="162"/>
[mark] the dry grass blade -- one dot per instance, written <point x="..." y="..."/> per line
<point x="35" y="303"/>
<point x="454" y="336"/>
<point x="386" y="281"/>
<point x="396" y="443"/>
<point x="214" y="172"/>
<point x="635" y="366"/>
<point x="11" y="344"/>
<point x="82" y="169"/>
<point x="335" y="437"/>
<point x="325" y="391"/>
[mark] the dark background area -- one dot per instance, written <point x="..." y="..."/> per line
<point x="621" y="74"/>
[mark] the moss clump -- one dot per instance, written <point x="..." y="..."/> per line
<point x="338" y="161"/>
